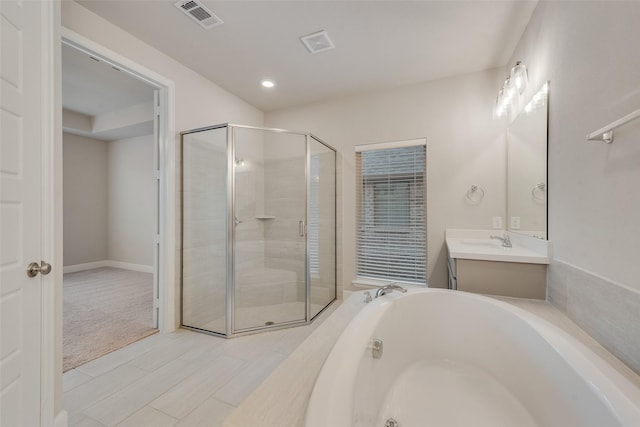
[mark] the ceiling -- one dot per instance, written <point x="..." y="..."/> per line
<point x="94" y="88"/>
<point x="378" y="44"/>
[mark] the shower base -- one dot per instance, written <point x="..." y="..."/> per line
<point x="255" y="317"/>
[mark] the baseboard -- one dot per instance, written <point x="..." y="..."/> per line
<point x="86" y="266"/>
<point x="129" y="266"/>
<point x="108" y="263"/>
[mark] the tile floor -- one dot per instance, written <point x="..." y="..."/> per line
<point x="180" y="379"/>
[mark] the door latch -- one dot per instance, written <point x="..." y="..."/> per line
<point x="34" y="268"/>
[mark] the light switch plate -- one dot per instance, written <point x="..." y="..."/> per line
<point x="497" y="222"/>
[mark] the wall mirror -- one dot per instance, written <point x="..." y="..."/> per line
<point x="527" y="168"/>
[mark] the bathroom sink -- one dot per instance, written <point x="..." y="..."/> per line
<point x="482" y="243"/>
<point x="476" y="244"/>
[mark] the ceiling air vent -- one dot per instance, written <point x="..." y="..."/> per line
<point x="317" y="42"/>
<point x="196" y="11"/>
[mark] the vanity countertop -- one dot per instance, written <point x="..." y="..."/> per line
<point x="477" y="245"/>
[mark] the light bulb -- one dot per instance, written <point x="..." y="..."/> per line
<point x="519" y="77"/>
<point x="498" y="110"/>
<point x="528" y="108"/>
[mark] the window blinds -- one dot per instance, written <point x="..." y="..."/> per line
<point x="314" y="217"/>
<point x="391" y="214"/>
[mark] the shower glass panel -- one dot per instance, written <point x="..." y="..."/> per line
<point x="322" y="226"/>
<point x="258" y="228"/>
<point x="204" y="229"/>
<point x="270" y="215"/>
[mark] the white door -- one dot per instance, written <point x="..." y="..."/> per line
<point x="20" y="211"/>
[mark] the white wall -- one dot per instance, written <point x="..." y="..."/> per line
<point x="85" y="185"/>
<point x="589" y="51"/>
<point x="464" y="147"/>
<point x="132" y="210"/>
<point x="109" y="200"/>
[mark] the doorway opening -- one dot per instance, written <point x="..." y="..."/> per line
<point x="113" y="205"/>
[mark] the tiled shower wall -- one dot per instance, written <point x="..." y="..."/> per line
<point x="285" y="198"/>
<point x="606" y="310"/>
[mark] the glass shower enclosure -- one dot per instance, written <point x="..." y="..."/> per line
<point x="258" y="247"/>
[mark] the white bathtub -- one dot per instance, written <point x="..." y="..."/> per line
<point x="457" y="359"/>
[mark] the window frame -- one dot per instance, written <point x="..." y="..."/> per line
<point x="417" y="185"/>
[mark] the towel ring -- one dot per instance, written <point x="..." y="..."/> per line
<point x="537" y="189"/>
<point x="473" y="190"/>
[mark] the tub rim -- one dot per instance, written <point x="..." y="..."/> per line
<point x="332" y="398"/>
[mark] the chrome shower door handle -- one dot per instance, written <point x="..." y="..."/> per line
<point x="301" y="228"/>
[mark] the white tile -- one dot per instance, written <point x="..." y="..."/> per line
<point x="87" y="394"/>
<point x="243" y="384"/>
<point x="557" y="284"/>
<point x="197" y="367"/>
<point x="148" y="417"/>
<point x="117" y="407"/>
<point x="81" y="420"/>
<point x="281" y="400"/>
<point x="204" y="352"/>
<point x="210" y="413"/>
<point x="119" y="357"/>
<point x="191" y="392"/>
<point x="73" y="378"/>
<point x="252" y="347"/>
<point x="165" y="352"/>
<point x="292" y="339"/>
<point x="608" y="312"/>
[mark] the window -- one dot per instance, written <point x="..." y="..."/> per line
<point x="391" y="211"/>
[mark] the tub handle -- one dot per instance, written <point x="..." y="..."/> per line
<point x="377" y="346"/>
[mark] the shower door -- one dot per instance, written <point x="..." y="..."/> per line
<point x="269" y="216"/>
<point x="204" y="229"/>
<point x="322" y="226"/>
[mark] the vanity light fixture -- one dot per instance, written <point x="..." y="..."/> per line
<point x="519" y="77"/>
<point x="512" y="89"/>
<point x="268" y="83"/>
<point x="539" y="99"/>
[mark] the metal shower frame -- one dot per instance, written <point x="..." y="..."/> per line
<point x="231" y="232"/>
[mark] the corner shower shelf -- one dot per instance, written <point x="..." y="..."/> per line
<point x="265" y="217"/>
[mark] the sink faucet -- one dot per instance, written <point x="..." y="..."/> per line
<point x="389" y="288"/>
<point x="506" y="241"/>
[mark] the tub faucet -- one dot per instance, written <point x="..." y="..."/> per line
<point x="389" y="288"/>
<point x="506" y="241"/>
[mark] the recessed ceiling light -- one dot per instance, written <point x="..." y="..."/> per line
<point x="267" y="83"/>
